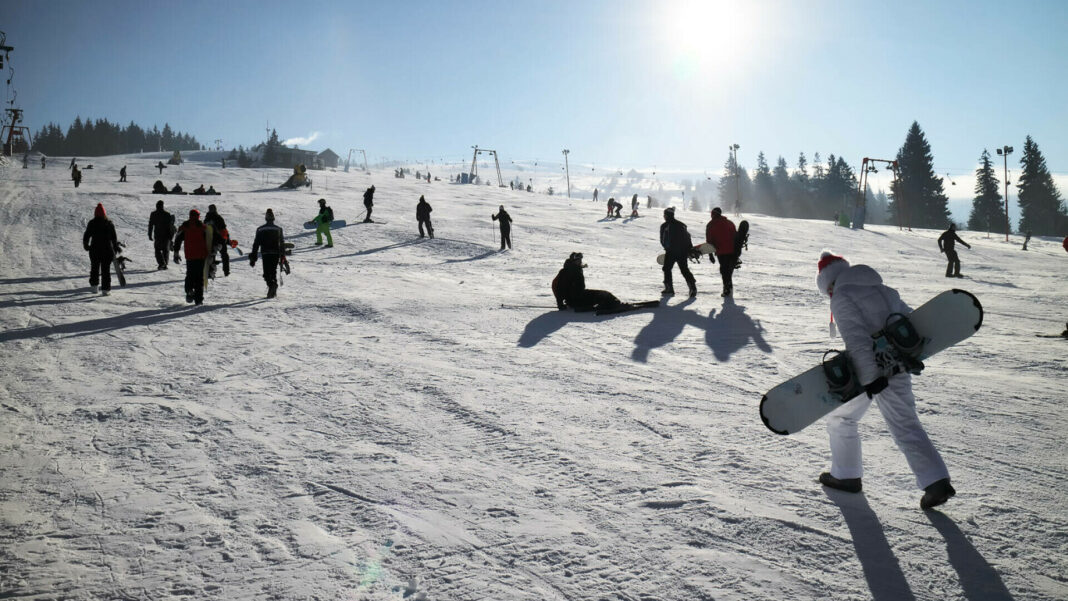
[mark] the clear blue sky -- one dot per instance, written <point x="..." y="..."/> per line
<point x="619" y="83"/>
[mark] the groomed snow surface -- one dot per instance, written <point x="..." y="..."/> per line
<point x="385" y="429"/>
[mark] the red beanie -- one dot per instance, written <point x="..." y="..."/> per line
<point x="194" y="214"/>
<point x="99" y="212"/>
<point x="826" y="259"/>
<point x="830" y="267"/>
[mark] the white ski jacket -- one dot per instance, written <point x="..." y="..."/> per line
<point x="860" y="304"/>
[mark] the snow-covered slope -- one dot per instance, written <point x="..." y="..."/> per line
<point x="386" y="429"/>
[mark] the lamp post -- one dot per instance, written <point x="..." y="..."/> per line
<point x="567" y="169"/>
<point x="737" y="180"/>
<point x="1005" y="151"/>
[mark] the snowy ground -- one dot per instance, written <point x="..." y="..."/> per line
<point x="385" y="429"/>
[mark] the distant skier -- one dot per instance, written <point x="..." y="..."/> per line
<point x="44" y="161"/>
<point x="161" y="230"/>
<point x="634" y="206"/>
<point x="945" y="244"/>
<point x="428" y="177"/>
<point x="595" y="191"/>
<point x="122" y="174"/>
<point x="224" y="162"/>
<point x="369" y="203"/>
<point x="505" y="220"/>
<point x="270" y="243"/>
<point x="614" y="207"/>
<point x="860" y="304"/>
<point x="422" y="215"/>
<point x="195" y="236"/>
<point x="569" y="288"/>
<point x="217" y="223"/>
<point x="678" y="247"/>
<point x="1027" y="238"/>
<point x="73" y="161"/>
<point x="720" y="233"/>
<point x="322" y="224"/>
<point x="161" y="167"/>
<point x="102" y="244"/>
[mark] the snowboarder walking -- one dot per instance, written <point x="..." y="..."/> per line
<point x="1027" y="238"/>
<point x="569" y="288"/>
<point x="860" y="304"/>
<point x="161" y="231"/>
<point x="217" y="223"/>
<point x="506" y="227"/>
<point x="76" y="175"/>
<point x="422" y="215"/>
<point x="102" y="244"/>
<point x="678" y="248"/>
<point x="270" y="243"/>
<point x="945" y="244"/>
<point x="194" y="234"/>
<point x="369" y="203"/>
<point x="720" y="233"/>
<point x="322" y="221"/>
<point x="122" y="174"/>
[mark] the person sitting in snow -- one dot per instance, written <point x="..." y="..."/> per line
<point x="177" y="189"/>
<point x="569" y="288"/>
<point x="159" y="188"/>
<point x="860" y="305"/>
<point x="200" y="190"/>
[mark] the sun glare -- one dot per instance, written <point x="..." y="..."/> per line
<point x="705" y="38"/>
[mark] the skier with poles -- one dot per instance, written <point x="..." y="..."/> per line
<point x="861" y="304"/>
<point x="506" y="227"/>
<point x="270" y="242"/>
<point x="369" y="203"/>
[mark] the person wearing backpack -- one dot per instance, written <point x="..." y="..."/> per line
<point x="323" y="219"/>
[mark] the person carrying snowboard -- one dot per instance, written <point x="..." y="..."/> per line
<point x="678" y="248"/>
<point x="217" y="223"/>
<point x="369" y="203"/>
<point x="422" y="215"/>
<point x="160" y="231"/>
<point x="945" y="244"/>
<point x="860" y="305"/>
<point x="720" y="233"/>
<point x="569" y="288"/>
<point x="506" y="226"/>
<point x="322" y="224"/>
<point x="102" y="244"/>
<point x="270" y="243"/>
<point x="194" y="234"/>
<point x="122" y="174"/>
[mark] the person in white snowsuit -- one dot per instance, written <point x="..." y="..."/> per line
<point x="860" y="304"/>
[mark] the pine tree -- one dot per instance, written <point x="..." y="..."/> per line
<point x="1041" y="207"/>
<point x="987" y="211"/>
<point x="918" y="196"/>
<point x="763" y="187"/>
<point x="784" y="189"/>
<point x="270" y="151"/>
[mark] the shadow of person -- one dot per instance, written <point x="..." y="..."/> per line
<point x="545" y="324"/>
<point x="882" y="571"/>
<point x="978" y="578"/>
<point x="731" y="329"/>
<point x="668" y="322"/>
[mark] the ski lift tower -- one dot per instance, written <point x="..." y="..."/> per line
<point x="15" y="137"/>
<point x="474" y="163"/>
<point x="860" y="207"/>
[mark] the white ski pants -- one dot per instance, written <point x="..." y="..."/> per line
<point x="898" y="407"/>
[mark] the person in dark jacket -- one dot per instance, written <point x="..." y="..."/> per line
<point x="569" y="288"/>
<point x="217" y="223"/>
<point x="720" y="233"/>
<point x="678" y="248"/>
<point x="122" y="174"/>
<point x="161" y="167"/>
<point x="102" y="244"/>
<point x="177" y="189"/>
<point x="946" y="243"/>
<point x="161" y="230"/>
<point x="634" y="206"/>
<point x="76" y="175"/>
<point x="270" y="243"/>
<point x="422" y="215"/>
<point x="194" y="234"/>
<point x="369" y="203"/>
<point x="159" y="188"/>
<point x="506" y="227"/>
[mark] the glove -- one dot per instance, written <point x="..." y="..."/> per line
<point x="177" y="259"/>
<point x="252" y="260"/>
<point x="876" y="386"/>
<point x="150" y="236"/>
<point x="712" y="258"/>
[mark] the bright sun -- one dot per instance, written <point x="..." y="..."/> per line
<point x="706" y="37"/>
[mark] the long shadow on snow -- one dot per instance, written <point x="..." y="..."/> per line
<point x="50" y="278"/>
<point x="886" y="581"/>
<point x="381" y="248"/>
<point x="725" y="333"/>
<point x="118" y="322"/>
<point x="541" y="326"/>
<point x="978" y="578"/>
<point x="72" y="296"/>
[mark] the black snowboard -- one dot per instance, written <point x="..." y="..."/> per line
<point x="741" y="239"/>
<point x="624" y="307"/>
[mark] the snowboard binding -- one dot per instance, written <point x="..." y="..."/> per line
<point x="841" y="380"/>
<point x="906" y="341"/>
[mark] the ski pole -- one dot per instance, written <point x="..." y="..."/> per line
<point x="494" y="231"/>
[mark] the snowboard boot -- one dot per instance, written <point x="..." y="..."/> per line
<point x="668" y="291"/>
<point x="693" y="290"/>
<point x="329" y="246"/>
<point x="188" y="298"/>
<point x="94" y="289"/>
<point x="318" y="243"/>
<point x="272" y="291"/>
<point x="105" y="293"/>
<point x="845" y="484"/>
<point x="937" y="493"/>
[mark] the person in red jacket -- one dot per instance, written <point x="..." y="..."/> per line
<point x="195" y="236"/>
<point x="720" y="233"/>
<point x="1065" y="243"/>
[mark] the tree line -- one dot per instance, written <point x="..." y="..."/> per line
<point x="101" y="137"/>
<point x="822" y="189"/>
